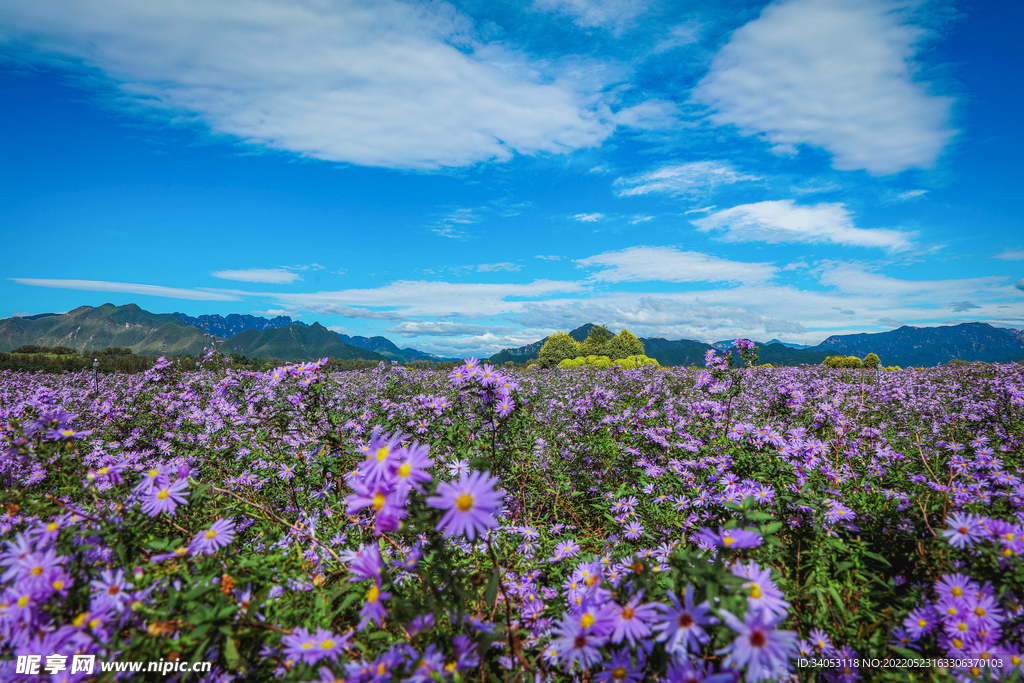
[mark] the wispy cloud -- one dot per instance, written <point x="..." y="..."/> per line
<point x="832" y="74"/>
<point x="614" y="14"/>
<point x="1011" y="255"/>
<point x="341" y="81"/>
<point x="275" y="276"/>
<point x="419" y="298"/>
<point x="783" y="221"/>
<point x="452" y="225"/>
<point x="910" y="194"/>
<point x="548" y="258"/>
<point x="128" y="288"/>
<point x="666" y="264"/>
<point x="961" y="306"/>
<point x="446" y="329"/>
<point x="588" y="217"/>
<point x="640" y="219"/>
<point x="693" y="177"/>
<point x="492" y="267"/>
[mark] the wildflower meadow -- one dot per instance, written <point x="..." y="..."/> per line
<point x="724" y="523"/>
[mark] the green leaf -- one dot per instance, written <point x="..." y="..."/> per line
<point x="231" y="652"/>
<point x="491" y="593"/>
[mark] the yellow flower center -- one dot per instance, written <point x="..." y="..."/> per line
<point x="755" y="592"/>
<point x="94" y="623"/>
<point x="57" y="585"/>
<point x="382" y="453"/>
<point x="180" y="551"/>
<point x="957" y="591"/>
<point x="163" y="494"/>
<point x="464" y="502"/>
<point x="619" y="673"/>
<point x="153" y="474"/>
<point x="22" y="601"/>
<point x="372" y="594"/>
<point x="728" y="540"/>
<point x="327" y="644"/>
<point x="627" y="613"/>
<point x="980" y="611"/>
<point x="52" y="526"/>
<point x="921" y="623"/>
<point x="378" y="501"/>
<point x="404" y="470"/>
<point x="212" y="533"/>
<point x="1009" y="536"/>
<point x="307" y="646"/>
<point x="961" y="627"/>
<point x="957" y="643"/>
<point x="36" y="571"/>
<point x="80" y="619"/>
<point x="587" y="620"/>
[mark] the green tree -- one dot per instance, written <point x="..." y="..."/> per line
<point x="872" y="361"/>
<point x="596" y="343"/>
<point x="624" y="345"/>
<point x="557" y="348"/>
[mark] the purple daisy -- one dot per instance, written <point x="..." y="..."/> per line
<point x="963" y="530"/>
<point x="220" y="534"/>
<point x="758" y="646"/>
<point x="166" y="498"/>
<point x="681" y="625"/>
<point x="728" y="538"/>
<point x="470" y="505"/>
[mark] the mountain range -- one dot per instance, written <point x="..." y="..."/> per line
<point x="87" y="328"/>
<point x="906" y="346"/>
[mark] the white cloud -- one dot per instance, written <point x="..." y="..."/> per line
<point x="703" y="209"/>
<point x="338" y="329"/>
<point x="666" y="264"/>
<point x="835" y="74"/>
<point x="588" y="217"/>
<point x="783" y="221"/>
<point x="128" y="288"/>
<point x="596" y="13"/>
<point x="795" y="265"/>
<point x="411" y="298"/>
<point x="640" y="219"/>
<point x="1011" y="255"/>
<point x="678" y="36"/>
<point x="910" y="194"/>
<point x="891" y="322"/>
<point x="452" y="224"/>
<point x="386" y="83"/>
<point x="548" y="258"/>
<point x="445" y="329"/>
<point x="852" y="278"/>
<point x="693" y="177"/>
<point x="492" y="267"/>
<point x="274" y="276"/>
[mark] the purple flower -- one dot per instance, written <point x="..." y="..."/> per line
<point x="758" y="646"/>
<point x="919" y="622"/>
<point x="166" y="498"/>
<point x="728" y="538"/>
<point x="366" y="564"/>
<point x="373" y="609"/>
<point x="681" y="624"/>
<point x="220" y="534"/>
<point x="764" y="594"/>
<point x="632" y="622"/>
<point x="575" y="644"/>
<point x="412" y="468"/>
<point x="470" y="505"/>
<point x="286" y="472"/>
<point x="621" y="668"/>
<point x="963" y="530"/>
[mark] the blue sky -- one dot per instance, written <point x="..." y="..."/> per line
<point x="462" y="177"/>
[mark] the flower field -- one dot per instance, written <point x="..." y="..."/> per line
<point x="718" y="524"/>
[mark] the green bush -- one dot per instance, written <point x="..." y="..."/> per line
<point x="843" y="362"/>
<point x="636" y="361"/>
<point x="872" y="361"/>
<point x="624" y="345"/>
<point x="557" y="348"/>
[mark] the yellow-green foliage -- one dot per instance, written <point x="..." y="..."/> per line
<point x="557" y="348"/>
<point x="843" y="362"/>
<point x="891" y="367"/>
<point x="872" y="360"/>
<point x="624" y="345"/>
<point x="636" y="361"/>
<point x="594" y="361"/>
